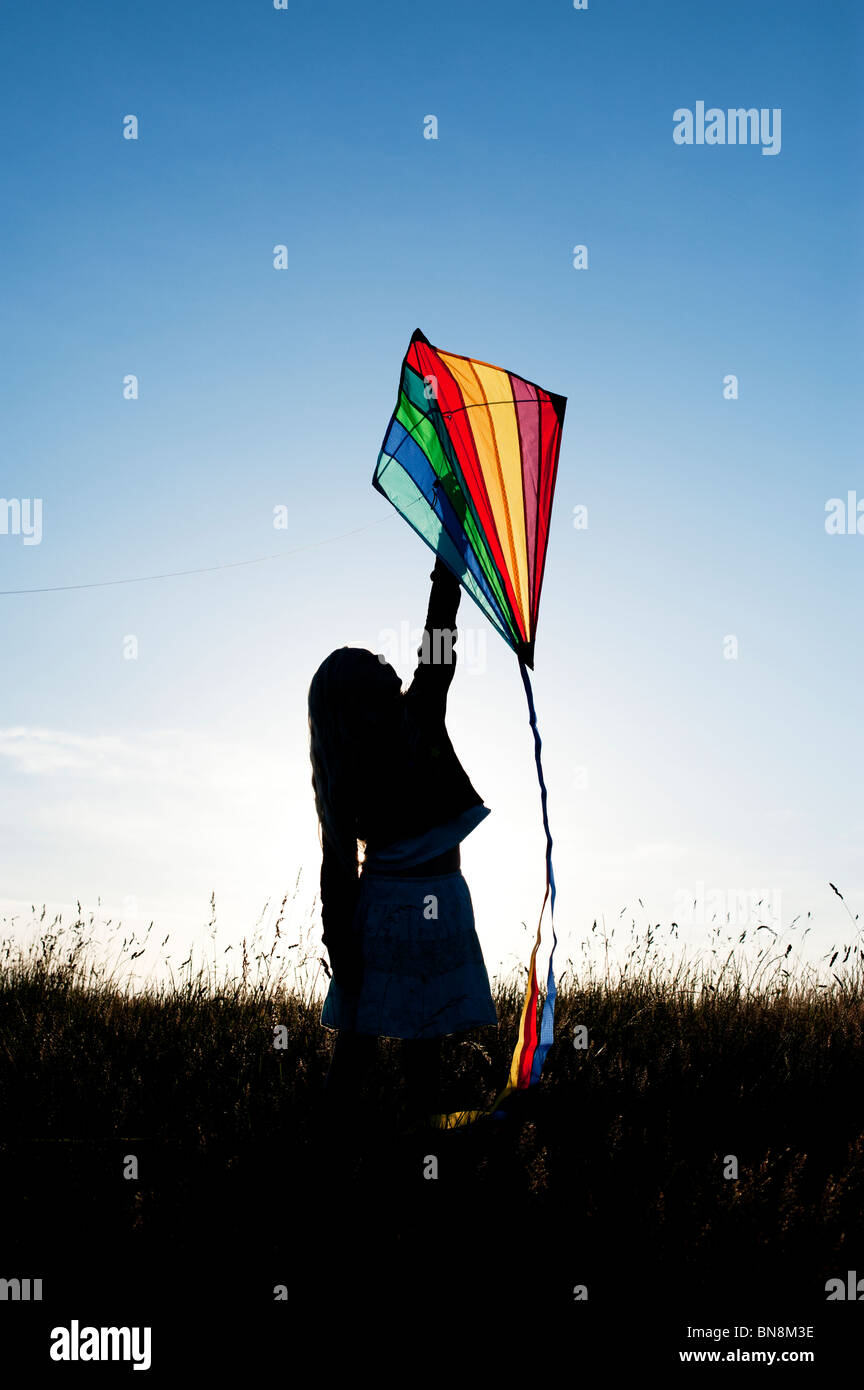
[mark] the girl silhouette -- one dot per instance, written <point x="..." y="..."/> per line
<point x="405" y="958"/>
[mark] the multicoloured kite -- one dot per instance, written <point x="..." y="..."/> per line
<point x="469" y="460"/>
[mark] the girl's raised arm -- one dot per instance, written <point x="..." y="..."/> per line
<point x="437" y="651"/>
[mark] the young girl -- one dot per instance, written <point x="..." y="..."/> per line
<point x="406" y="961"/>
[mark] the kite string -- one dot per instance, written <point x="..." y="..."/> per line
<point x="235" y="564"/>
<point x="209" y="569"/>
<point x="205" y="569"/>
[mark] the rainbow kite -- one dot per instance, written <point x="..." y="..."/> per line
<point x="469" y="460"/>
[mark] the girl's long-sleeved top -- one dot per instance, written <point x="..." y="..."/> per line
<point x="429" y="787"/>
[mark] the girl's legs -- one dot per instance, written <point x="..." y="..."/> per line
<point x="421" y="1060"/>
<point x="352" y="1061"/>
<point x="350" y="1065"/>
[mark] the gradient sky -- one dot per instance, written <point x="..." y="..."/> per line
<point x="149" y="783"/>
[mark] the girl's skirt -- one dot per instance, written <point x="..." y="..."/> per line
<point x="423" y="969"/>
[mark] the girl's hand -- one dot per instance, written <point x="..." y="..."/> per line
<point x="346" y="962"/>
<point x="442" y="572"/>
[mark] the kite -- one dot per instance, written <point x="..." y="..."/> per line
<point x="469" y="460"/>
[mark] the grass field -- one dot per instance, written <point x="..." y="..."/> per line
<point x="608" y="1175"/>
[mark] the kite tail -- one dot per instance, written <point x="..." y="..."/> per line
<point x="530" y="1051"/>
<point x="547" y="1022"/>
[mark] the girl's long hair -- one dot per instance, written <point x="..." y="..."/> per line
<point x="356" y="728"/>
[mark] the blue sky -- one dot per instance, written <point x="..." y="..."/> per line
<point x="149" y="783"/>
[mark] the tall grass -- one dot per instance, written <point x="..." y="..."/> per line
<point x="743" y="1048"/>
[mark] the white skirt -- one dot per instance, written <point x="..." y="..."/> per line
<point x="423" y="969"/>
